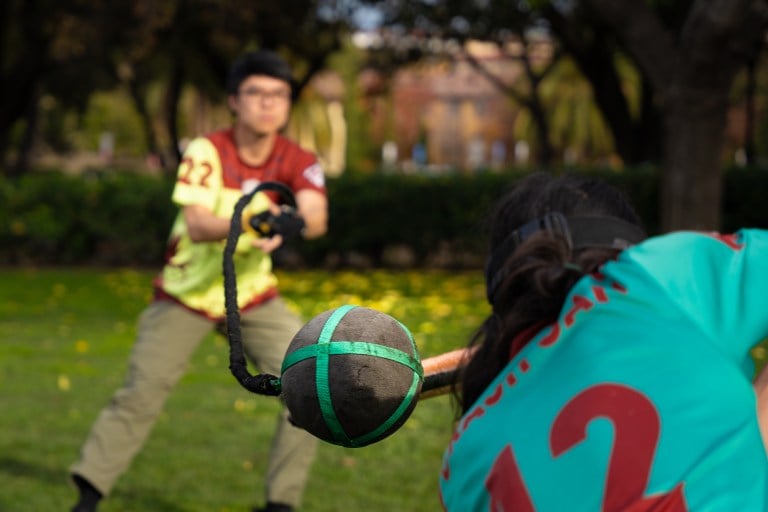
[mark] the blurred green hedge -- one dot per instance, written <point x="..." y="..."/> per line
<point x="123" y="218"/>
<point x="112" y="219"/>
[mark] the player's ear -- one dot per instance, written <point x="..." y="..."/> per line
<point x="232" y="103"/>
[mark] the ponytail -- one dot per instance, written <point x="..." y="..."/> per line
<point x="546" y="233"/>
<point x="537" y="278"/>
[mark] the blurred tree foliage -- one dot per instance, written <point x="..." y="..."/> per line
<point x="687" y="54"/>
<point x="661" y="71"/>
<point x="59" y="52"/>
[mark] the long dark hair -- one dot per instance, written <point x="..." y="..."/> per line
<point x="532" y="282"/>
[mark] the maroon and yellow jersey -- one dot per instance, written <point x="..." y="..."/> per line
<point x="211" y="174"/>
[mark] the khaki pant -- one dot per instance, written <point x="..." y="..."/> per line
<point x="167" y="336"/>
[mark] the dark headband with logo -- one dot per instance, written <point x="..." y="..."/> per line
<point x="578" y="231"/>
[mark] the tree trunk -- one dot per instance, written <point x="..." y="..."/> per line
<point x="139" y="103"/>
<point x="692" y="72"/>
<point x="691" y="168"/>
<point x="171" y="114"/>
<point x="16" y="96"/>
<point x="649" y="127"/>
<point x="544" y="153"/>
<point x="749" y="107"/>
<point x="596" y="59"/>
<point x="23" y="157"/>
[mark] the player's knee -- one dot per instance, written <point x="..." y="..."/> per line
<point x="144" y="399"/>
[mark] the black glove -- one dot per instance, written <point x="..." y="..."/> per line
<point x="287" y="223"/>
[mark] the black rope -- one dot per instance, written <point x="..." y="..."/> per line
<point x="438" y="380"/>
<point x="263" y="384"/>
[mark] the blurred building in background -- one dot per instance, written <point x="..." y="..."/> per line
<point x="448" y="112"/>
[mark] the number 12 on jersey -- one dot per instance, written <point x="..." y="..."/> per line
<point x="636" y="426"/>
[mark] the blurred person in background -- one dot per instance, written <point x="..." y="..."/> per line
<point x="216" y="170"/>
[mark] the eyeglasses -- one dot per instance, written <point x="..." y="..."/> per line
<point x="256" y="94"/>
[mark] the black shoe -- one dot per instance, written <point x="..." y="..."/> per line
<point x="89" y="495"/>
<point x="274" y="507"/>
<point x="83" y="508"/>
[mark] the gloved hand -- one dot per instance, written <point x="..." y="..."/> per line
<point x="287" y="223"/>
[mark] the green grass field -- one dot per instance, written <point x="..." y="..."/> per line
<point x="65" y="336"/>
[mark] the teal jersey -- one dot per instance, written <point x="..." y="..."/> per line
<point x="638" y="398"/>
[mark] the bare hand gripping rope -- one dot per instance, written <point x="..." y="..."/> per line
<point x="439" y="371"/>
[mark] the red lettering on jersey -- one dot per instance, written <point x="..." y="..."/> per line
<point x="731" y="240"/>
<point x="599" y="276"/>
<point x="506" y="486"/>
<point x="207" y="171"/>
<point x="455" y="437"/>
<point x="580" y="303"/>
<point x="511" y="379"/>
<point x="600" y="294"/>
<point x="673" y="501"/>
<point x="445" y="472"/>
<point x="551" y="337"/>
<point x="188" y="176"/>
<point x="618" y="287"/>
<point x="476" y="413"/>
<point x="185" y="173"/>
<point x="495" y="396"/>
<point x="637" y="427"/>
<point x="524" y="365"/>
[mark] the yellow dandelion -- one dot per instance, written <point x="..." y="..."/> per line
<point x="327" y="288"/>
<point x="18" y="227"/>
<point x="81" y="346"/>
<point x="427" y="328"/>
<point x="245" y="405"/>
<point x="293" y="306"/>
<point x="59" y="290"/>
<point x="63" y="383"/>
<point x="439" y="308"/>
<point x="351" y="299"/>
<point x="247" y="465"/>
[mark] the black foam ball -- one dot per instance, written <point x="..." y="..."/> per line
<point x="351" y="376"/>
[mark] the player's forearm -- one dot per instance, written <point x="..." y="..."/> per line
<point x="316" y="225"/>
<point x="313" y="208"/>
<point x="203" y="225"/>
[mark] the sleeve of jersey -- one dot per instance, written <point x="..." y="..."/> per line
<point x="721" y="282"/>
<point x="309" y="175"/>
<point x="199" y="176"/>
<point x="744" y="301"/>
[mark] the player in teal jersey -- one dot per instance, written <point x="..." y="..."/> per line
<point x="614" y="373"/>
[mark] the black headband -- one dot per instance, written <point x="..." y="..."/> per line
<point x="578" y="231"/>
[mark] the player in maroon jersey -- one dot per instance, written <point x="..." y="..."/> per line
<point x="215" y="172"/>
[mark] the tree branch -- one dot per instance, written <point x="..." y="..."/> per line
<point x="651" y="44"/>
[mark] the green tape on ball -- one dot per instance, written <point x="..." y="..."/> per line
<point x="351" y="376"/>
